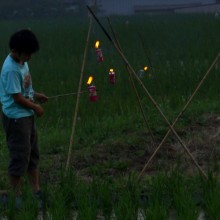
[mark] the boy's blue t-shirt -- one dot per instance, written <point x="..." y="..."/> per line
<point x="15" y="78"/>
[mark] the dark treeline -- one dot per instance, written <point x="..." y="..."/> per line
<point x="10" y="9"/>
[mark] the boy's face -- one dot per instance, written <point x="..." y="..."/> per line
<point x="20" y="57"/>
<point x="24" y="57"/>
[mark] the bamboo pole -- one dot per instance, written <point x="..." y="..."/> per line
<point x="78" y="95"/>
<point x="182" y="111"/>
<point x="133" y="86"/>
<point x="148" y="94"/>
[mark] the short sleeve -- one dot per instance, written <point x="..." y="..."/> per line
<point x="12" y="82"/>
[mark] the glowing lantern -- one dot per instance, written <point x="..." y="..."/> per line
<point x="111" y="76"/>
<point x="89" y="81"/>
<point x="142" y="72"/>
<point x="99" y="54"/>
<point x="145" y="68"/>
<point x="92" y="90"/>
<point x="97" y="44"/>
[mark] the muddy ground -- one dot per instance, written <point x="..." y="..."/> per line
<point x="117" y="158"/>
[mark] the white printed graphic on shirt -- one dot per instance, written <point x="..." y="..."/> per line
<point x="28" y="86"/>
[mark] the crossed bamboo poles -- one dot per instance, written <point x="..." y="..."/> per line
<point x="180" y="114"/>
<point x="155" y="103"/>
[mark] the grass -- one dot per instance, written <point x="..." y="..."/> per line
<point x="211" y="197"/>
<point x="111" y="132"/>
<point x="152" y="198"/>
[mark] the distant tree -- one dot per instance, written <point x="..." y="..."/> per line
<point x="42" y="8"/>
<point x="27" y="3"/>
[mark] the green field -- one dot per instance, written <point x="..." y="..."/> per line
<point x="111" y="135"/>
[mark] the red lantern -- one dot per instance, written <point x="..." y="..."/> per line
<point x="92" y="90"/>
<point x="112" y="76"/>
<point x="99" y="54"/>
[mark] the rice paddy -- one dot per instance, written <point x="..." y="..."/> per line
<point x="111" y="138"/>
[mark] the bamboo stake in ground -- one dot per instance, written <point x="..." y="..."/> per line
<point x="180" y="114"/>
<point x="148" y="94"/>
<point x="78" y="95"/>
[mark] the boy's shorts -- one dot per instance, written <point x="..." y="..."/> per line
<point x="21" y="135"/>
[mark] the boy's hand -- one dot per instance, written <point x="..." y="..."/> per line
<point x="40" y="97"/>
<point x="21" y="100"/>
<point x="39" y="111"/>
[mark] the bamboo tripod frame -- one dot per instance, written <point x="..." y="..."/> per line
<point x="148" y="94"/>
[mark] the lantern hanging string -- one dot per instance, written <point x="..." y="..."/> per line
<point x="151" y="69"/>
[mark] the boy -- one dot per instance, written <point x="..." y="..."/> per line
<point x="18" y="109"/>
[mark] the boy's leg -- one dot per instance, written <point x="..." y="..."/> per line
<point x="33" y="171"/>
<point x="34" y="179"/>
<point x="15" y="182"/>
<point x="18" y="140"/>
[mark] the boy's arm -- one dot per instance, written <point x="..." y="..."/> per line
<point x="21" y="100"/>
<point x="40" y="97"/>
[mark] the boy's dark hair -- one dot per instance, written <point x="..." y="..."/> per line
<point x="24" y="41"/>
